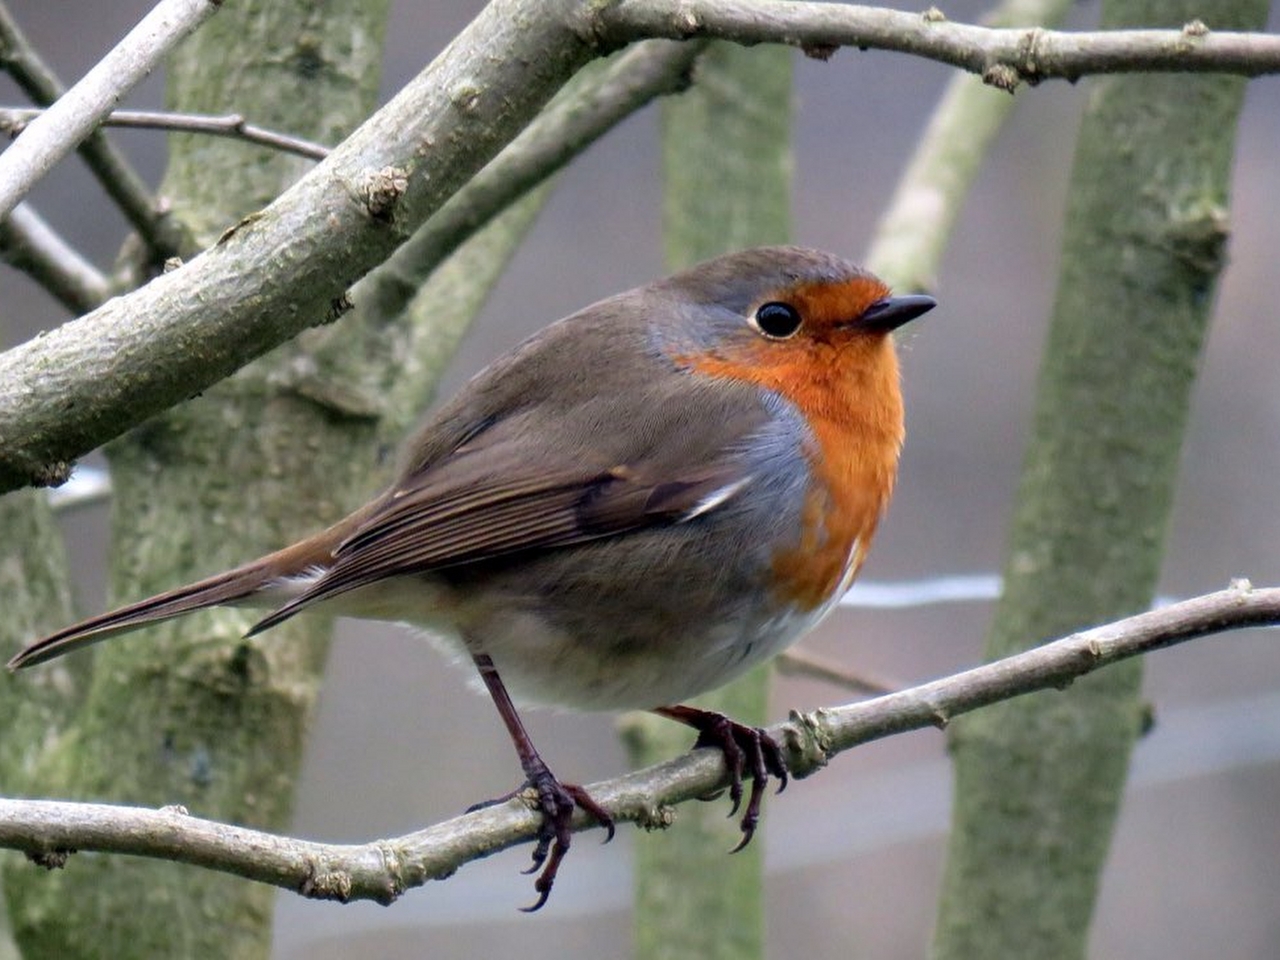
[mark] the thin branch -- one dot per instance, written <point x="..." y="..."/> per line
<point x="77" y="112"/>
<point x="139" y="354"/>
<point x="118" y="178"/>
<point x="382" y="870"/>
<point x="916" y="227"/>
<point x="798" y="662"/>
<point x="113" y="170"/>
<point x="1002" y="57"/>
<point x="14" y="120"/>
<point x="29" y="244"/>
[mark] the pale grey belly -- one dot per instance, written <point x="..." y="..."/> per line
<point x="640" y="621"/>
<point x="540" y="663"/>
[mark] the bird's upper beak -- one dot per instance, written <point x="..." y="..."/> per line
<point x="892" y="312"/>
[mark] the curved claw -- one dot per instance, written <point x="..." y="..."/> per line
<point x="556" y="802"/>
<point x="743" y="748"/>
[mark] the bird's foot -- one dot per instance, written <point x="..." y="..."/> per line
<point x="747" y="751"/>
<point x="556" y="802"/>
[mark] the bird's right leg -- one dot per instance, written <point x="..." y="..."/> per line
<point x="556" y="800"/>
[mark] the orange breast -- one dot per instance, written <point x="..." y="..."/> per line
<point x="845" y="383"/>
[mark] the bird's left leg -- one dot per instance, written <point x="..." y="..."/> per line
<point x="745" y="749"/>
<point x="556" y="800"/>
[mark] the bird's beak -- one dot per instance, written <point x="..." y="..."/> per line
<point x="892" y="312"/>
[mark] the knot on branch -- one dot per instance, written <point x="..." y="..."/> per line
<point x="338" y="306"/>
<point x="1197" y="236"/>
<point x="54" y="859"/>
<point x="819" y="51"/>
<point x="1001" y="76"/>
<point x="1023" y="66"/>
<point x="320" y="884"/>
<point x="393" y="863"/>
<point x="53" y="473"/>
<point x="650" y="817"/>
<point x="381" y="190"/>
<point x="807" y="743"/>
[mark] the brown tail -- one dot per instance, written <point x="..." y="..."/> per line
<point x="229" y="587"/>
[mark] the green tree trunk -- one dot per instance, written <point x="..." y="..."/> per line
<point x="188" y="713"/>
<point x="33" y="583"/>
<point x="1038" y="780"/>
<point x="727" y="163"/>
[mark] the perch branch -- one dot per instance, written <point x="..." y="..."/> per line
<point x="48" y="831"/>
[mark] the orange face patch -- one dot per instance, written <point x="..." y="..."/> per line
<point x="828" y="305"/>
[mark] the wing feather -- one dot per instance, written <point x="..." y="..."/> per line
<point x="426" y="528"/>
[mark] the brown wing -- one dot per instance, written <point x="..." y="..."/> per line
<point x="451" y="516"/>
<point x="533" y="455"/>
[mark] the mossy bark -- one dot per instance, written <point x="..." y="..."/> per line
<point x="727" y="163"/>
<point x="1039" y="780"/>
<point x="188" y="713"/>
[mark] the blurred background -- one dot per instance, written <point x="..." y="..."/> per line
<point x="854" y="855"/>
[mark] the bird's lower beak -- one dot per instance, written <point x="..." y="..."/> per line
<point x="892" y="312"/>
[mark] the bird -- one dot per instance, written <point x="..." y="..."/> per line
<point x="637" y="504"/>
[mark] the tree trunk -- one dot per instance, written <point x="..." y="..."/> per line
<point x="1039" y="780"/>
<point x="189" y="713"/>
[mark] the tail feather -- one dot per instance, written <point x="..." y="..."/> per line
<point x="256" y="580"/>
<point x="229" y="587"/>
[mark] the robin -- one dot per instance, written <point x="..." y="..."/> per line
<point x="636" y="505"/>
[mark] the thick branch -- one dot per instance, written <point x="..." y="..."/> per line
<point x="285" y="269"/>
<point x="50" y="137"/>
<point x="1003" y="57"/>
<point x="382" y="870"/>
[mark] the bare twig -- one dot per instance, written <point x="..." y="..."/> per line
<point x="68" y="121"/>
<point x="29" y="244"/>
<point x="798" y="662"/>
<point x="382" y="870"/>
<point x="232" y="125"/>
<point x="118" y="178"/>
<point x="1002" y="57"/>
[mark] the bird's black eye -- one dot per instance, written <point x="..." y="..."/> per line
<point x="778" y="320"/>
